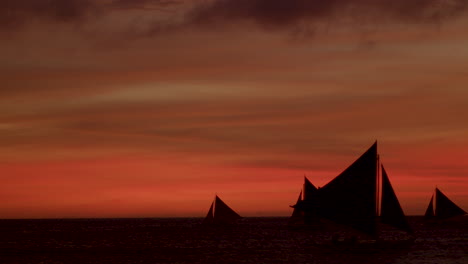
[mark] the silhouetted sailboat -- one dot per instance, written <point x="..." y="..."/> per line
<point x="352" y="199"/>
<point x="298" y="214"/>
<point x="305" y="207"/>
<point x="444" y="207"/>
<point x="220" y="213"/>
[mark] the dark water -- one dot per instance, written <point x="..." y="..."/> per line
<point x="183" y="240"/>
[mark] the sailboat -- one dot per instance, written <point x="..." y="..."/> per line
<point x="352" y="198"/>
<point x="444" y="207"/>
<point x="305" y="207"/>
<point x="220" y="213"/>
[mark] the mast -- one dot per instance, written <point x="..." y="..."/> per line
<point x="215" y="208"/>
<point x="377" y="187"/>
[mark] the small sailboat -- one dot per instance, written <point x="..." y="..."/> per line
<point x="352" y="199"/>
<point x="220" y="213"/>
<point x="444" y="207"/>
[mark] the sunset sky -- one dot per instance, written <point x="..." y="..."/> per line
<point x="148" y="108"/>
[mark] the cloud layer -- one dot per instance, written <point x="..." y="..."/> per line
<point x="19" y="12"/>
<point x="278" y="13"/>
<point x="268" y="14"/>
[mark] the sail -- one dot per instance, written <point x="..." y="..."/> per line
<point x="297" y="210"/>
<point x="305" y="209"/>
<point x="391" y="212"/>
<point x="298" y="214"/>
<point x="446" y="208"/>
<point x="350" y="198"/>
<point x="310" y="202"/>
<point x="430" y="209"/>
<point x="223" y="213"/>
<point x="209" y="217"/>
<point x="309" y="190"/>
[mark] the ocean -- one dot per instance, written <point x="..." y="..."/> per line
<point x="184" y="240"/>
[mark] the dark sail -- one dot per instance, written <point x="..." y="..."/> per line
<point x="223" y="213"/>
<point x="305" y="209"/>
<point x="209" y="217"/>
<point x="446" y="208"/>
<point x="298" y="214"/>
<point x="350" y="198"/>
<point x="430" y="209"/>
<point x="391" y="212"/>
<point x="310" y="191"/>
<point x="310" y="202"/>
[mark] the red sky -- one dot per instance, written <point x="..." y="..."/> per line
<point x="147" y="108"/>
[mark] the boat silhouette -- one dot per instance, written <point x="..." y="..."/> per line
<point x="360" y="199"/>
<point x="220" y="213"/>
<point x="444" y="207"/>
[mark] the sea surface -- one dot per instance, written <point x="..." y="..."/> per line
<point x="185" y="240"/>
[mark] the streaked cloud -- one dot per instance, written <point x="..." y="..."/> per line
<point x="20" y="12"/>
<point x="156" y="17"/>
<point x="278" y="13"/>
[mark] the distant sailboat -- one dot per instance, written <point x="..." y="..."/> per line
<point x="444" y="207"/>
<point x="220" y="213"/>
<point x="351" y="199"/>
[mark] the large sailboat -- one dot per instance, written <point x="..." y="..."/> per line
<point x="444" y="207"/>
<point x="220" y="213"/>
<point x="352" y="199"/>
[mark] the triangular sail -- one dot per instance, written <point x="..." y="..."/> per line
<point x="298" y="214"/>
<point x="209" y="217"/>
<point x="391" y="212"/>
<point x="309" y="204"/>
<point x="310" y="191"/>
<point x="350" y="198"/>
<point x="430" y="209"/>
<point x="446" y="208"/>
<point x="223" y="213"/>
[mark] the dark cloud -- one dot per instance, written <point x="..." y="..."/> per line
<point x="146" y="4"/>
<point x="18" y="12"/>
<point x="299" y="16"/>
<point x="280" y="13"/>
<point x="15" y="13"/>
<point x="263" y="12"/>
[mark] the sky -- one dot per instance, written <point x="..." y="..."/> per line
<point x="148" y="108"/>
